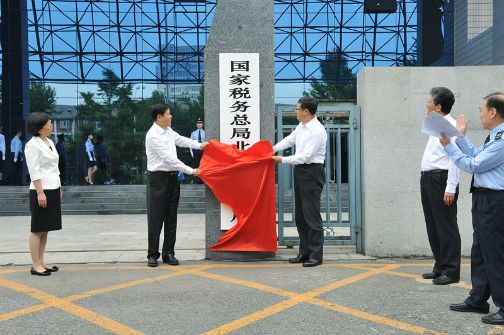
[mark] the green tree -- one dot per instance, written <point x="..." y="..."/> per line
<point x="337" y="81"/>
<point x="42" y="98"/>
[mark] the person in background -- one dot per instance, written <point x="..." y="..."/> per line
<point x="63" y="160"/>
<point x="101" y="158"/>
<point x="91" y="160"/>
<point x="2" y="154"/>
<point x="17" y="159"/>
<point x="45" y="190"/>
<point x="197" y="135"/>
<point x="439" y="178"/>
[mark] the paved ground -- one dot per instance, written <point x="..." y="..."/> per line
<point x="347" y="295"/>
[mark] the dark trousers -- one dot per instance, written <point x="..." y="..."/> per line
<point x="308" y="184"/>
<point x="197" y="154"/>
<point x="441" y="222"/>
<point x="16" y="170"/>
<point x="487" y="252"/>
<point x="163" y="193"/>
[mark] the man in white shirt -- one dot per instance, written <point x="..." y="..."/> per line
<point x="163" y="188"/>
<point x="439" y="190"/>
<point x="310" y="139"/>
<point x="2" y="153"/>
<point x="17" y="159"/>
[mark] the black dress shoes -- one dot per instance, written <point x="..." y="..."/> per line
<point x="445" y="280"/>
<point x="494" y="319"/>
<point x="431" y="275"/>
<point x="170" y="260"/>
<point x="298" y="259"/>
<point x="463" y="307"/>
<point x="312" y="262"/>
<point x="52" y="269"/>
<point x="151" y="262"/>
<point x="36" y="273"/>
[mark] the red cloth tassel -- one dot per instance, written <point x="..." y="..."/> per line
<point x="245" y="181"/>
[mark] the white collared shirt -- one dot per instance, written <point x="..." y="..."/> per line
<point x="435" y="157"/>
<point x="310" y="140"/>
<point x="160" y="147"/>
<point x="42" y="161"/>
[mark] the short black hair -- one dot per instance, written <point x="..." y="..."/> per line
<point x="61" y="137"/>
<point x="159" y="109"/>
<point x="444" y="97"/>
<point x="36" y="121"/>
<point x="309" y="103"/>
<point x="99" y="138"/>
<point x="496" y="100"/>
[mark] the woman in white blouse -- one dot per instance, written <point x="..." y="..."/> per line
<point x="45" y="193"/>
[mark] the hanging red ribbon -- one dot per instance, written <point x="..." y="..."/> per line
<point x="245" y="181"/>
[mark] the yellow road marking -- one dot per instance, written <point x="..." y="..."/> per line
<point x="497" y="330"/>
<point x="36" y="308"/>
<point x="295" y="299"/>
<point x="102" y="321"/>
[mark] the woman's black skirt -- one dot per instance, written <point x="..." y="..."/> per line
<point x="49" y="218"/>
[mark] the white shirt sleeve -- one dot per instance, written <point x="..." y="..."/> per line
<point x="287" y="142"/>
<point x="33" y="162"/>
<point x="185" y="142"/>
<point x="157" y="145"/>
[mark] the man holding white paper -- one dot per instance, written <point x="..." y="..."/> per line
<point x="439" y="190"/>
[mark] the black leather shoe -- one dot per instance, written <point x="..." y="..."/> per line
<point x="298" y="259"/>
<point x="52" y="269"/>
<point x="152" y="262"/>
<point x="463" y="307"/>
<point x="431" y="275"/>
<point x="36" y="273"/>
<point x="494" y="319"/>
<point x="445" y="280"/>
<point x="170" y="260"/>
<point x="312" y="262"/>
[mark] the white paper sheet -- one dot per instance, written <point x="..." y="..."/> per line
<point x="434" y="125"/>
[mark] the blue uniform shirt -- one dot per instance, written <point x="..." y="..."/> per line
<point x="195" y="135"/>
<point x="90" y="150"/>
<point x="485" y="162"/>
<point x="16" y="147"/>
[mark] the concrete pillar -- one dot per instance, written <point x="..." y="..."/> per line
<point x="238" y="27"/>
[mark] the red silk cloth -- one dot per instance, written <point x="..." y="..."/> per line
<point x="245" y="181"/>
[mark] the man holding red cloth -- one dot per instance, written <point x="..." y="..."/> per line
<point x="310" y="139"/>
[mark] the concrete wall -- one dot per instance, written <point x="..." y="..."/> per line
<point x="392" y="101"/>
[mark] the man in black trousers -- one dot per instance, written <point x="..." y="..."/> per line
<point x="439" y="191"/>
<point x="163" y="188"/>
<point x="310" y="139"/>
<point x="486" y="163"/>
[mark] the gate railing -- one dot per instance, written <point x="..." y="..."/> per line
<point x="341" y="196"/>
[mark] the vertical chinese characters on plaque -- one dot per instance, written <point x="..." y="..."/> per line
<point x="239" y="107"/>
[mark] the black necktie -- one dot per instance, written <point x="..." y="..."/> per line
<point x="199" y="136"/>
<point x="472" y="180"/>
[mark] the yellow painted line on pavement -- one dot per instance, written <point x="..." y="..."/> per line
<point x="23" y="311"/>
<point x="295" y="299"/>
<point x="374" y="318"/>
<point x="497" y="330"/>
<point x="99" y="320"/>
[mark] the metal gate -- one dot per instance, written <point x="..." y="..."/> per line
<point x="341" y="196"/>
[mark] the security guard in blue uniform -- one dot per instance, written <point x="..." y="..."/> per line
<point x="486" y="163"/>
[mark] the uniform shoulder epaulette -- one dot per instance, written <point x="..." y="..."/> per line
<point x="498" y="136"/>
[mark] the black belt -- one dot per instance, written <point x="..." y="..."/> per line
<point x="484" y="190"/>
<point x="309" y="165"/>
<point x="433" y="171"/>
<point x="163" y="173"/>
